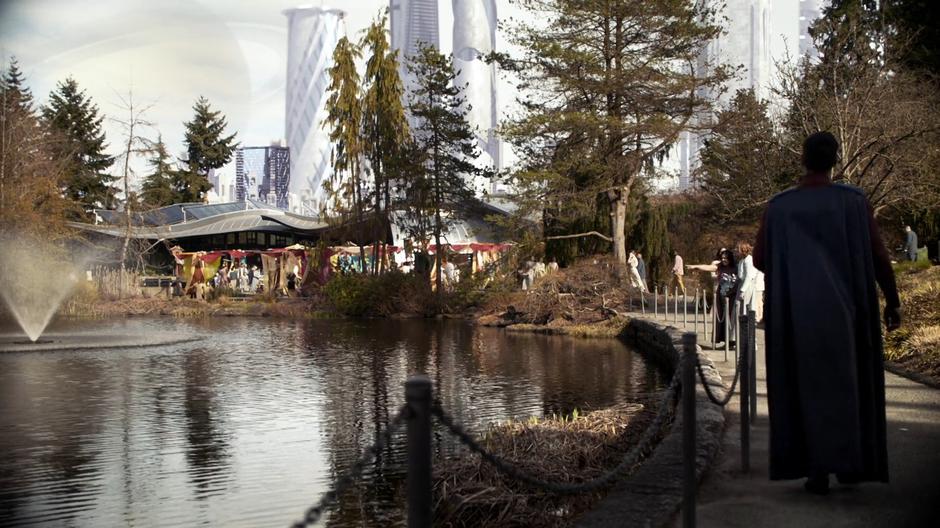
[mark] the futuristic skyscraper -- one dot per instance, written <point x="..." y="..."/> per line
<point x="810" y="10"/>
<point x="413" y="22"/>
<point x="312" y="35"/>
<point x="746" y="43"/>
<point x="474" y="38"/>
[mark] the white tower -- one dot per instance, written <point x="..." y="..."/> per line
<point x="745" y="42"/>
<point x="413" y="22"/>
<point x="810" y="10"/>
<point x="312" y="35"/>
<point x="474" y="38"/>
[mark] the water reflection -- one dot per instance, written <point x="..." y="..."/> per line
<point x="207" y="443"/>
<point x="248" y="427"/>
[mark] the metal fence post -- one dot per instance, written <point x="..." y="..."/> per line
<point x="744" y="376"/>
<point x="675" y="305"/>
<point x="689" y="359"/>
<point x="727" y="327"/>
<point x="714" y="319"/>
<point x="418" y="398"/>
<point x="696" y="311"/>
<point x="655" y="302"/>
<point x="685" y="309"/>
<point x="665" y="303"/>
<point x="752" y="351"/>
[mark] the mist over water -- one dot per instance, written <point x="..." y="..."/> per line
<point x="35" y="278"/>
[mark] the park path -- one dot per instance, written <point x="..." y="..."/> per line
<point x="728" y="499"/>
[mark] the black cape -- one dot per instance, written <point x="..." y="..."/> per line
<point x="825" y="377"/>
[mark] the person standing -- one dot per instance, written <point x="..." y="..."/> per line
<point x="641" y="270"/>
<point x="747" y="279"/>
<point x="635" y="280"/>
<point x="823" y="255"/>
<point x="726" y="282"/>
<point x="678" y="271"/>
<point x="910" y="245"/>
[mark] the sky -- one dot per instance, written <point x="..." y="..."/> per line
<point x="169" y="52"/>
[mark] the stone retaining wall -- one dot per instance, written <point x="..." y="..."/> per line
<point x="652" y="496"/>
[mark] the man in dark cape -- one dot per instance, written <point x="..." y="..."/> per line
<point x="822" y="254"/>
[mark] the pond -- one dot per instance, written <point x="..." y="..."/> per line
<point x="250" y="424"/>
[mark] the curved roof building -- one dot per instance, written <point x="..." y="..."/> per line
<point x="312" y="35"/>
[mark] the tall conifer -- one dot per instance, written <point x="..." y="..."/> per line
<point x="157" y="188"/>
<point x="608" y="86"/>
<point x="385" y="127"/>
<point x="438" y="183"/>
<point x="75" y="123"/>
<point x="344" y="120"/>
<point x="207" y="148"/>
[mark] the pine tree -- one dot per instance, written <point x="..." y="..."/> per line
<point x="385" y="127"/>
<point x="438" y="184"/>
<point x="75" y="123"/>
<point x="206" y="147"/>
<point x="31" y="200"/>
<point x="608" y="86"/>
<point x="745" y="160"/>
<point x="16" y="95"/>
<point x="344" y="120"/>
<point x="157" y="188"/>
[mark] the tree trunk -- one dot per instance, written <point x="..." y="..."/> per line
<point x="127" y="206"/>
<point x="618" y="206"/>
<point x="438" y="261"/>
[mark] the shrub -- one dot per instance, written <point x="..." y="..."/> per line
<point x="376" y="296"/>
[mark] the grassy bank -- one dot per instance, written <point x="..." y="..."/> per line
<point x="916" y="345"/>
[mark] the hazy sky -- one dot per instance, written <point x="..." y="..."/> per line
<point x="171" y="51"/>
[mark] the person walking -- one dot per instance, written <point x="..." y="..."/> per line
<point x="822" y="254"/>
<point x="910" y="245"/>
<point x="678" y="271"/>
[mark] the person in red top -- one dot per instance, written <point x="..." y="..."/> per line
<point x="822" y="255"/>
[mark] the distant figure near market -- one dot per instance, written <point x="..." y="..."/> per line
<point x="822" y="254"/>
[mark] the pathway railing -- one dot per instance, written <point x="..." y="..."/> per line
<point x="421" y="406"/>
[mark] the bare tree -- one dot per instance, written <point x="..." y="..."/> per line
<point x="886" y="118"/>
<point x="134" y="144"/>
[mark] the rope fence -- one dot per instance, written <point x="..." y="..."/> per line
<point x="421" y="406"/>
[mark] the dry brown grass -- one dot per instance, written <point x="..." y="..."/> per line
<point x="570" y="449"/>
<point x="916" y="345"/>
<point x="585" y="293"/>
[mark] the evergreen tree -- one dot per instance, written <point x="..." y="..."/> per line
<point x="157" y="188"/>
<point x="31" y="200"/>
<point x="608" y="86"/>
<point x="74" y="121"/>
<point x="344" y="120"/>
<point x="437" y="187"/>
<point x="206" y="147"/>
<point x="745" y="160"/>
<point x="16" y="95"/>
<point x="385" y="127"/>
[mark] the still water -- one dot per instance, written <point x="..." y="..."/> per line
<point x="248" y="426"/>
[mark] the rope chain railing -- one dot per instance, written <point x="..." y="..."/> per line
<point x="723" y="400"/>
<point x="340" y="485"/>
<point x="629" y="459"/>
<point x="420" y="407"/>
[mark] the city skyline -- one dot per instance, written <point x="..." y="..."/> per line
<point x="234" y="53"/>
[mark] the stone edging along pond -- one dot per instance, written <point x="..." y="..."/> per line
<point x="653" y="494"/>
